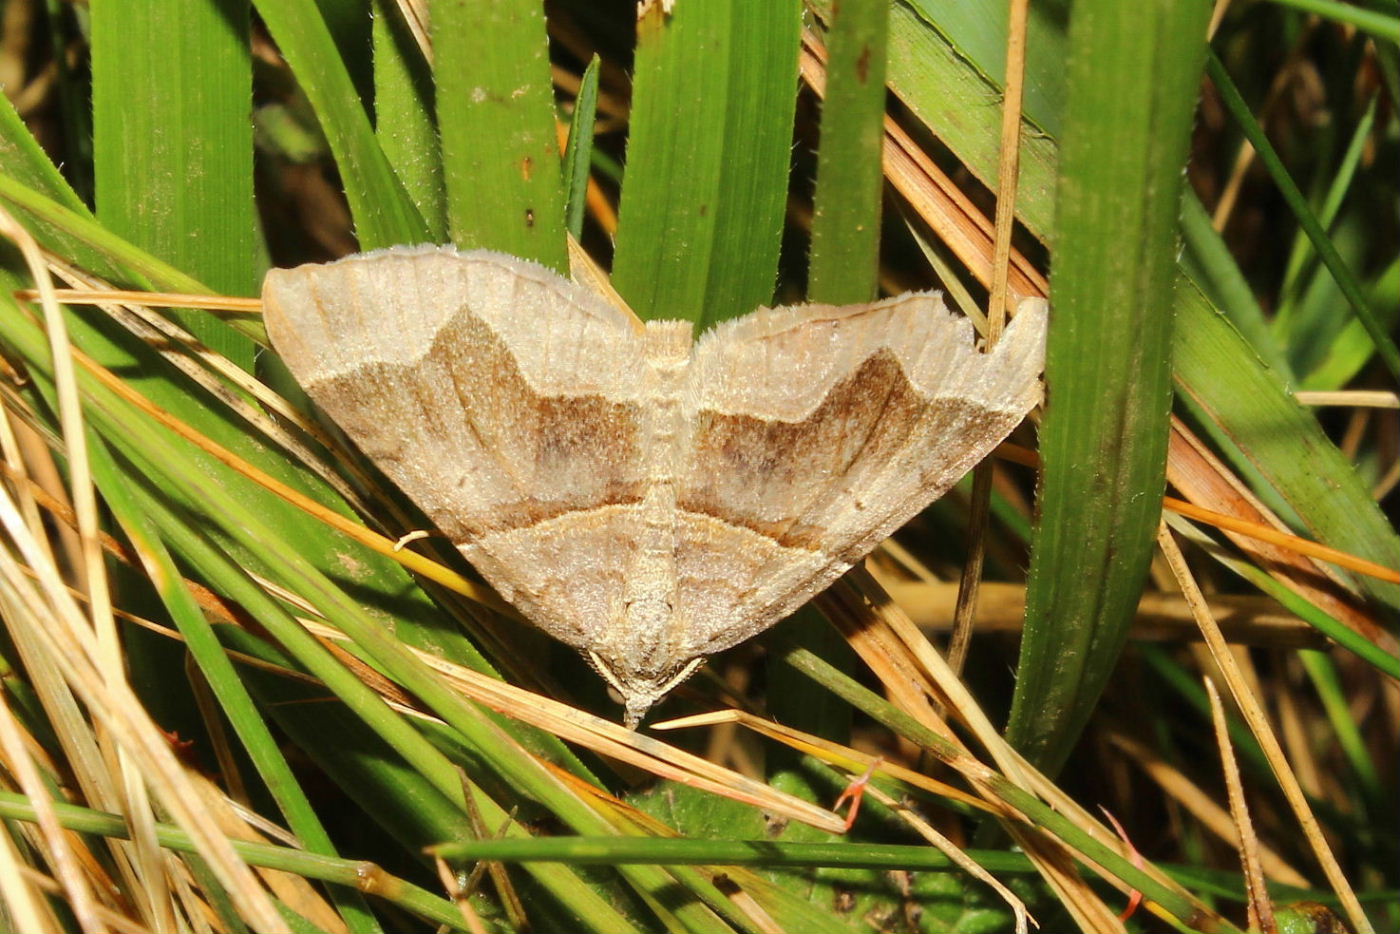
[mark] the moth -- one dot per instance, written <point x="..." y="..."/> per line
<point x="643" y="496"/>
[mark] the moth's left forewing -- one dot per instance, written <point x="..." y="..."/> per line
<point x="503" y="399"/>
<point x="818" y="431"/>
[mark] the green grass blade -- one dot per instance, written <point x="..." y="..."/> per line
<point x="1327" y="681"/>
<point x="1104" y="438"/>
<point x="725" y="852"/>
<point x="707" y="160"/>
<point x="1209" y="262"/>
<point x="287" y="859"/>
<point x="384" y="214"/>
<point x="1297" y="202"/>
<point x="55" y="224"/>
<point x="403" y="116"/>
<point x="947" y="87"/>
<point x="495" y="107"/>
<point x="1377" y="24"/>
<point x="66" y="27"/>
<point x="234" y="701"/>
<point x="185" y="195"/>
<point x="1251" y="415"/>
<point x="578" y="154"/>
<point x="1351" y="349"/>
<point x="1301" y="254"/>
<point x="850" y="178"/>
<point x="27" y="169"/>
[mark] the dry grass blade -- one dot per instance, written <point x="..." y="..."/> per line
<point x="30" y="912"/>
<point x="609" y="739"/>
<point x="945" y="846"/>
<point x="452" y="885"/>
<point x="1261" y="909"/>
<point x="1359" y="398"/>
<point x="230" y="305"/>
<point x="835" y="754"/>
<point x="1258" y="723"/>
<point x="923" y="672"/>
<point x="145" y="852"/>
<point x="966" y="610"/>
<point x="1205" y="481"/>
<point x="53" y="626"/>
<point x="1201" y="805"/>
<point x="1244" y="618"/>
<point x="1264" y="528"/>
<point x="905" y="643"/>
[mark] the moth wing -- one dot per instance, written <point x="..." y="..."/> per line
<point x="502" y="398"/>
<point x="818" y="431"/>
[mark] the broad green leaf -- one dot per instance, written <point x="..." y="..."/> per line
<point x="707" y="158"/>
<point x="1103" y="442"/>
<point x="187" y="195"/>
<point x="500" y="152"/>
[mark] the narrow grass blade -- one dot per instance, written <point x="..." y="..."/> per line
<point x="1351" y="348"/>
<point x="1374" y="22"/>
<point x="26" y="168"/>
<point x="384" y="214"/>
<point x="495" y="107"/>
<point x="1346" y="280"/>
<point x="1302" y="255"/>
<point x="56" y="225"/>
<point x="578" y="154"/>
<point x="707" y="159"/>
<point x="287" y="859"/>
<point x="612" y="850"/>
<point x="404" y="109"/>
<point x="187" y="196"/>
<point x="1108" y="368"/>
<point x="219" y="672"/>
<point x="846" y="221"/>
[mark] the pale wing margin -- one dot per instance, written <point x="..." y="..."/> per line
<point x="827" y="428"/>
<point x="390" y="305"/>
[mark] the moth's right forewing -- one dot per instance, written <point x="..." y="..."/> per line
<point x="821" y="430"/>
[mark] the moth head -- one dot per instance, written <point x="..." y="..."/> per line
<point x="641" y="689"/>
